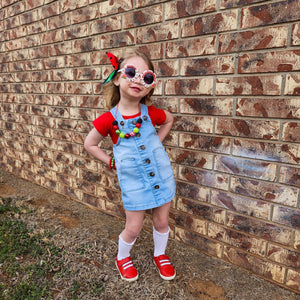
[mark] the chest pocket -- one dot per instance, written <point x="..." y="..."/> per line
<point x="130" y="176"/>
<point x="163" y="163"/>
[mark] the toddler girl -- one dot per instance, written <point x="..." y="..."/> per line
<point x="144" y="171"/>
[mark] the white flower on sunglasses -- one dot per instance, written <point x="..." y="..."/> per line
<point x="148" y="77"/>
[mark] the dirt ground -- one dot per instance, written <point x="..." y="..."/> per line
<point x="74" y="224"/>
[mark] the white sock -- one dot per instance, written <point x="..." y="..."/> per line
<point x="160" y="242"/>
<point x="124" y="248"/>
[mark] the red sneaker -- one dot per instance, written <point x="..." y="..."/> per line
<point x="126" y="269"/>
<point x="165" y="267"/>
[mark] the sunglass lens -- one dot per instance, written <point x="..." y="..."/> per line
<point x="130" y="72"/>
<point x="148" y="78"/>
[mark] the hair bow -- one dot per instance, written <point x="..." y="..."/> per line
<point x="116" y="63"/>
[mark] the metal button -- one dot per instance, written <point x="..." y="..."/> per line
<point x="152" y="174"/>
<point x="134" y="122"/>
<point x="138" y="134"/>
<point x="122" y="123"/>
<point x="145" y="118"/>
<point x="143" y="147"/>
<point x="147" y="161"/>
<point x="156" y="187"/>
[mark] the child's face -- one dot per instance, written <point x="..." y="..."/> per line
<point x="137" y="88"/>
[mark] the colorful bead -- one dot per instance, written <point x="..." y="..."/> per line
<point x="134" y="132"/>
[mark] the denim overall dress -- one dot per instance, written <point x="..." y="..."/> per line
<point x="144" y="170"/>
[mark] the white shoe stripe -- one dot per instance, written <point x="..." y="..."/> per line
<point x="164" y="264"/>
<point x="127" y="263"/>
<point x="164" y="260"/>
<point x="128" y="266"/>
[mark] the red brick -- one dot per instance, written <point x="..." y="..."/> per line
<point x="255" y="39"/>
<point x="30" y="4"/>
<point x="290" y="175"/>
<point x="166" y="68"/>
<point x="242" y="205"/>
<point x="59" y="21"/>
<point x="49" y="10"/>
<point x="237" y="239"/>
<point x="209" y="24"/>
<point x="188" y="222"/>
<point x="87" y="45"/>
<point x="261" y="229"/>
<point x="67" y="5"/>
<point x="75" y="31"/>
<point x="143" y="17"/>
<point x="40" y="26"/>
<point x="286" y="216"/>
<point x="270" y="13"/>
<point x="199" y="46"/>
<point x="84" y="14"/>
<point x="107" y="24"/>
<point x="192" y="191"/>
<point x="247" y="128"/>
<point x="199" y="242"/>
<point x="292" y="85"/>
<point x="249" y="85"/>
<point x="293" y="280"/>
<point x="286" y="153"/>
<point x="296" y="34"/>
<point x="201" y="210"/>
<point x="254" y="264"/>
<point x="184" y="8"/>
<point x="268" y="108"/>
<point x="235" y="3"/>
<point x="270" y="192"/>
<point x="205" y="143"/>
<point x="113" y="7"/>
<point x="79" y="88"/>
<point x="291" y="132"/>
<point x="206" y="106"/>
<point x="27" y="18"/>
<point x="125" y="38"/>
<point x="201" y="86"/>
<point x="52" y="37"/>
<point x="193" y="124"/>
<point x="248" y="168"/>
<point x="208" y="66"/>
<point x="77" y="60"/>
<point x="204" y="177"/>
<point x="156" y="33"/>
<point x="279" y="61"/>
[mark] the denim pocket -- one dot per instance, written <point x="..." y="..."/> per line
<point x="163" y="163"/>
<point x="130" y="176"/>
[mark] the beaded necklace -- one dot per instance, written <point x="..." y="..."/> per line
<point x="134" y="132"/>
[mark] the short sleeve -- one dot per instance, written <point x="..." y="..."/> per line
<point x="157" y="115"/>
<point x="103" y="124"/>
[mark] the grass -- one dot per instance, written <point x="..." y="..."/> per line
<point x="18" y="244"/>
<point x="30" y="264"/>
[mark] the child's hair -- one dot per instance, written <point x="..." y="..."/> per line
<point x="111" y="91"/>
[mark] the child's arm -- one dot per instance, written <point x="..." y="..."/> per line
<point x="91" y="145"/>
<point x="166" y="127"/>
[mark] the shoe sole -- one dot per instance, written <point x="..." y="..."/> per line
<point x="162" y="276"/>
<point x="127" y="279"/>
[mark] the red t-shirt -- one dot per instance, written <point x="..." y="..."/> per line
<point x="104" y="126"/>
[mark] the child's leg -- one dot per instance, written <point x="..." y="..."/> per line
<point x="133" y="226"/>
<point x="160" y="216"/>
<point x="161" y="231"/>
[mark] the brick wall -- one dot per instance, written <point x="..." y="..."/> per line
<point x="228" y="71"/>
